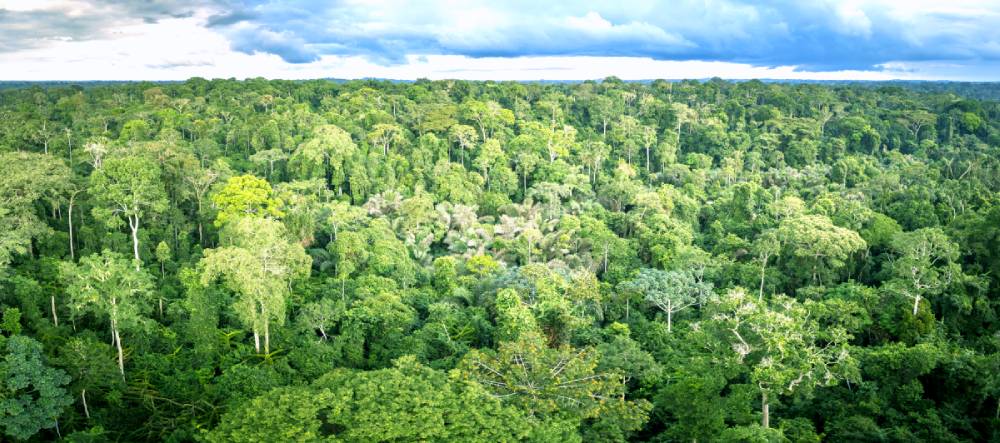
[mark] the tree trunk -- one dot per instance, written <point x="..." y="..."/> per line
<point x="765" y="409"/>
<point x="267" y="337"/>
<point x="134" y="224"/>
<point x="256" y="340"/>
<point x="763" y="268"/>
<point x="55" y="317"/>
<point x="201" y="238"/>
<point x="670" y="320"/>
<point x="83" y="396"/>
<point x="72" y="251"/>
<point x="916" y="304"/>
<point x="121" y="355"/>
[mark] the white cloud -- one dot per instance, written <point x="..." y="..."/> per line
<point x="853" y="19"/>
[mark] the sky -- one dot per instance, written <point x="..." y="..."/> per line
<point x="500" y="40"/>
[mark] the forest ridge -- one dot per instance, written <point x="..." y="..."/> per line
<point x="268" y="260"/>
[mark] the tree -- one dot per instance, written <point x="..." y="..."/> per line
<point x="28" y="178"/>
<point x="352" y="251"/>
<point x="670" y="291"/>
<point x="104" y="285"/>
<point x="323" y="155"/>
<point x="813" y="242"/>
<point x="488" y="116"/>
<point x="407" y="402"/>
<point x="560" y="385"/>
<point x="765" y="246"/>
<point x="386" y="135"/>
<point x="321" y="315"/>
<point x="129" y="187"/>
<point x="32" y="394"/>
<point x="91" y="366"/>
<point x="781" y="344"/>
<point x="465" y="136"/>
<point x="925" y="264"/>
<point x="268" y="158"/>
<point x="490" y="155"/>
<point x="162" y="256"/>
<point x="200" y="180"/>
<point x="245" y="196"/>
<point x="648" y="137"/>
<point x="257" y="262"/>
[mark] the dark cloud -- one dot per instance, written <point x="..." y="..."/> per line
<point x="88" y="20"/>
<point x="230" y="18"/>
<point x="289" y="47"/>
<point x="31" y="29"/>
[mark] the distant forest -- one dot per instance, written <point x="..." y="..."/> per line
<point x="358" y="261"/>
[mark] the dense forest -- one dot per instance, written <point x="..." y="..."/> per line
<point x="246" y="261"/>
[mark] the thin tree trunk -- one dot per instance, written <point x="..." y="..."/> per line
<point x="256" y="340"/>
<point x="765" y="408"/>
<point x="267" y="337"/>
<point x="763" y="268"/>
<point x="72" y="251"/>
<point x="83" y="396"/>
<point x="55" y="317"/>
<point x="121" y="355"/>
<point x="134" y="224"/>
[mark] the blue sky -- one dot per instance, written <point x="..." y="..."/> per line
<point x="503" y="40"/>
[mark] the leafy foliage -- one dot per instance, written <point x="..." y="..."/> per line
<point x="480" y="261"/>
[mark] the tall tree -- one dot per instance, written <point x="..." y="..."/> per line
<point x="781" y="345"/>
<point x="245" y="196"/>
<point x="104" y="285"/>
<point x="128" y="187"/>
<point x="28" y="178"/>
<point x="257" y="262"/>
<point x="670" y="291"/>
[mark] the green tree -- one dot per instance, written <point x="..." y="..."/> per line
<point x="28" y="178"/>
<point x="32" y="394"/>
<point x="104" y="285"/>
<point x="782" y="345"/>
<point x="408" y="402"/>
<point x="814" y="243"/>
<point x="925" y="264"/>
<point x="257" y="262"/>
<point x="129" y="187"/>
<point x="245" y="196"/>
<point x="560" y="384"/>
<point x="670" y="291"/>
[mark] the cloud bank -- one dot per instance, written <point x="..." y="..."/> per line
<point x="814" y="35"/>
<point x="907" y="39"/>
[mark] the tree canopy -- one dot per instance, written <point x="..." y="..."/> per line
<point x="259" y="260"/>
